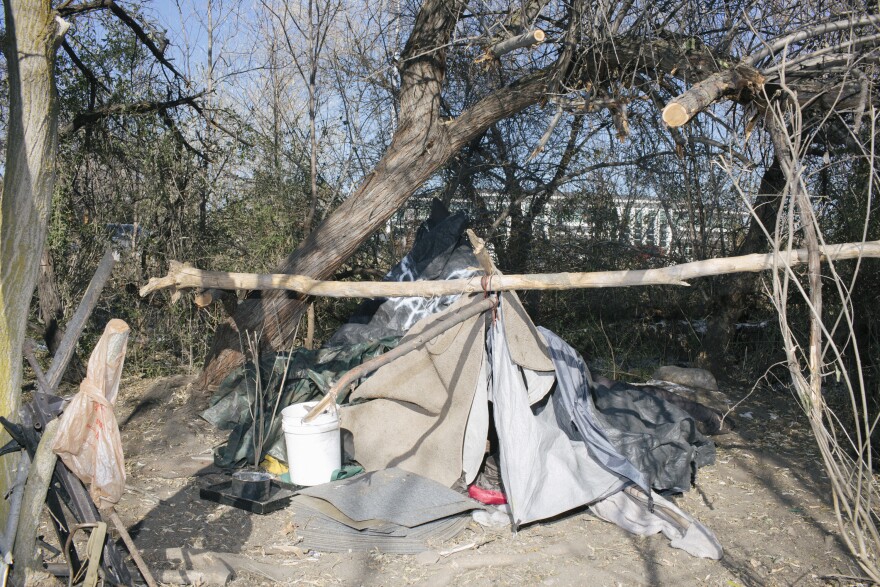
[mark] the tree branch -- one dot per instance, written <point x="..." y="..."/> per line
<point x="542" y="142"/>
<point x="86" y="118"/>
<point x="814" y="56"/>
<point x="83" y="67"/>
<point x="729" y="83"/>
<point x="129" y="21"/>
<point x="67" y="9"/>
<point x="501" y="103"/>
<point x="815" y="31"/>
<point x="182" y="276"/>
<point x="527" y="39"/>
<point x="170" y="124"/>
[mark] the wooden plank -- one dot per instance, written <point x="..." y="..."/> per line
<point x="79" y="319"/>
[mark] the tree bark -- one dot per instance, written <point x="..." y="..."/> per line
<point x="32" y="36"/>
<point x="422" y="143"/>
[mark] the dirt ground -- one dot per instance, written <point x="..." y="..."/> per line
<point x="766" y="499"/>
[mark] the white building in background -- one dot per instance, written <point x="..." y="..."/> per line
<point x="640" y="222"/>
<point x="648" y="223"/>
<point x="644" y="223"/>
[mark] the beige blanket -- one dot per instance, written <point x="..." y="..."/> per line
<point x="413" y="412"/>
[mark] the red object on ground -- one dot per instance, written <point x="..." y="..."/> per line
<point x="487" y="496"/>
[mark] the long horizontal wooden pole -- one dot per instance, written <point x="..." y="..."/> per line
<point x="182" y="276"/>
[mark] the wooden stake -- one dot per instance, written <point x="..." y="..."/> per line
<point x="481" y="253"/>
<point x="132" y="549"/>
<point x="182" y="276"/>
<point x="310" y="327"/>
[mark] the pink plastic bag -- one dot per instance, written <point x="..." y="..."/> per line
<point x="88" y="438"/>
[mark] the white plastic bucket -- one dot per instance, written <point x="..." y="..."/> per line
<point x="314" y="449"/>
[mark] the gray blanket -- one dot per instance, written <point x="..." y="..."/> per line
<point x="631" y="430"/>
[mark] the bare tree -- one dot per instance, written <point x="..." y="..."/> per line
<point x="32" y="35"/>
<point x="599" y="59"/>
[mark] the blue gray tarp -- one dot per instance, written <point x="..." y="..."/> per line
<point x="629" y="429"/>
<point x="562" y="453"/>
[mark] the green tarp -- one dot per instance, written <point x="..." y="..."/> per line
<point x="310" y="373"/>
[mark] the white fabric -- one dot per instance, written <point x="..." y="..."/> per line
<point x="477" y="431"/>
<point x="539" y="384"/>
<point x="635" y="517"/>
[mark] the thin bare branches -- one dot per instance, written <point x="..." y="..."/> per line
<point x="845" y="441"/>
<point x="158" y="50"/>
<point x="811" y="32"/>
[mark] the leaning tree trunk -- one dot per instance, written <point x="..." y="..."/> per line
<point x="32" y="34"/>
<point x="731" y="301"/>
<point x="422" y="144"/>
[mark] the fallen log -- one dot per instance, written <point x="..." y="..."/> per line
<point x="181" y="276"/>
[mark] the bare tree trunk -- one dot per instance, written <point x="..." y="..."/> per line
<point x="732" y="298"/>
<point x="32" y="35"/>
<point x="313" y="114"/>
<point x="422" y="143"/>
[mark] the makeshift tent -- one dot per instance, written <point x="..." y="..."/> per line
<point x="563" y="441"/>
<point x="375" y="327"/>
